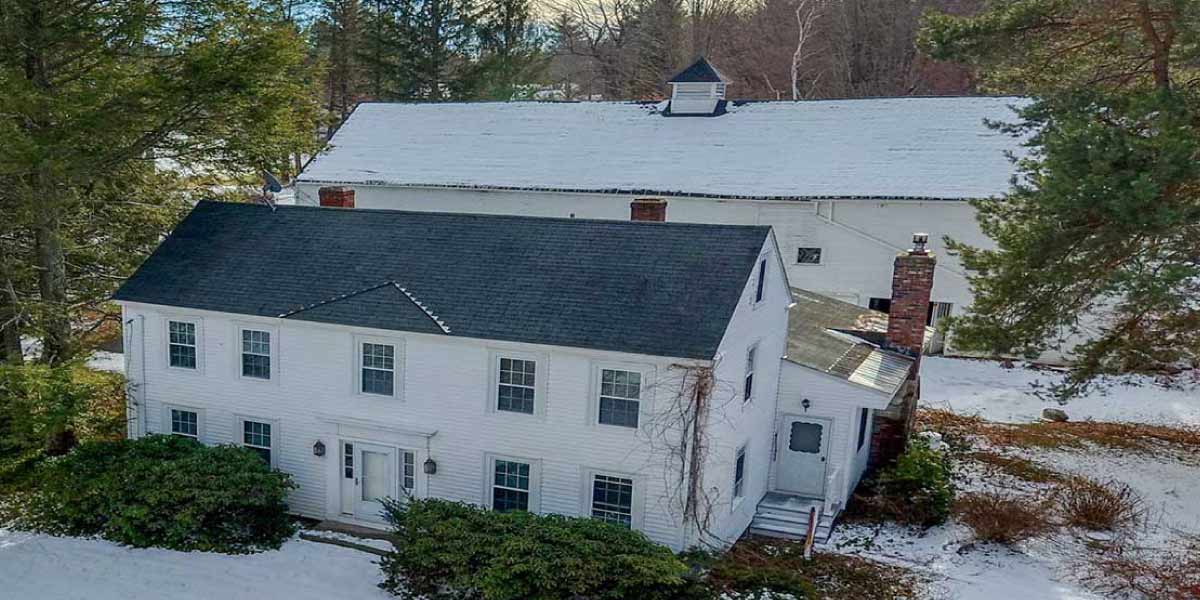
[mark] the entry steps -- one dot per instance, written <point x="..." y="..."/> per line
<point x="786" y="516"/>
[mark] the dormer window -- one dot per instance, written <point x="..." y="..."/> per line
<point x="698" y="90"/>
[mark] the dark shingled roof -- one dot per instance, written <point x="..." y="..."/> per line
<point x="665" y="289"/>
<point x="840" y="339"/>
<point x="700" y="71"/>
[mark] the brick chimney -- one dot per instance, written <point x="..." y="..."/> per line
<point x="648" y="209"/>
<point x="912" y="282"/>
<point x="336" y="196"/>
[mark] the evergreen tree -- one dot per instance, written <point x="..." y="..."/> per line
<point x="339" y="27"/>
<point x="438" y="44"/>
<point x="97" y="96"/>
<point x="1104" y="220"/>
<point x="511" y="54"/>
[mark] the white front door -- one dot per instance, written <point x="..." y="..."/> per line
<point x="368" y="476"/>
<point x="803" y="453"/>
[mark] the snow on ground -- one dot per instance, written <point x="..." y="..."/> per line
<point x="40" y="566"/>
<point x="1052" y="568"/>
<point x="107" y="361"/>
<point x="1018" y="395"/>
<point x="958" y="570"/>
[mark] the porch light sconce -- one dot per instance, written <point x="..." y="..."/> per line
<point x="805" y="403"/>
<point x="319" y="448"/>
<point x="430" y="466"/>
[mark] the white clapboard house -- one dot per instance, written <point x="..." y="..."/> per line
<point x="513" y="362"/>
<point x="843" y="182"/>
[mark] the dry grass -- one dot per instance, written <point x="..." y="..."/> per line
<point x="1098" y="506"/>
<point x="1165" y="574"/>
<point x="757" y="563"/>
<point x="1015" y="466"/>
<point x="959" y="430"/>
<point x="1002" y="518"/>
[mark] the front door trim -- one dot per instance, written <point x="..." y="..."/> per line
<point x="782" y="452"/>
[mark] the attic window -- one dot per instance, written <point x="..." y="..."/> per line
<point x="808" y="256"/>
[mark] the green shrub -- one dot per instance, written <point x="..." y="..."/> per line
<point x="45" y="407"/>
<point x="918" y="489"/>
<point x="163" y="491"/>
<point x="446" y="550"/>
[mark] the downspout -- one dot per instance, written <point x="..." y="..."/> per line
<point x="135" y="391"/>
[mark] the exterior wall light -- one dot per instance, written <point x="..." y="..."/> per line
<point x="319" y="448"/>
<point x="805" y="403"/>
<point x="430" y="466"/>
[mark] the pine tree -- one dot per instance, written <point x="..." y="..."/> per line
<point x="1104" y="219"/>
<point x="438" y="43"/>
<point x="94" y="94"/>
<point x="511" y="54"/>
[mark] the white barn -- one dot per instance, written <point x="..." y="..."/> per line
<point x="843" y="182"/>
<point x="512" y="362"/>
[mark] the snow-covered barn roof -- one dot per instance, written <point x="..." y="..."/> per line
<point x="937" y="148"/>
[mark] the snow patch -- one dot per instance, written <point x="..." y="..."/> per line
<point x="1018" y="395"/>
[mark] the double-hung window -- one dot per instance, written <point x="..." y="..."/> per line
<point x="516" y="391"/>
<point x="378" y="369"/>
<point x="510" y="485"/>
<point x="181" y="344"/>
<point x="620" y="397"/>
<point x="256" y="354"/>
<point x="612" y="500"/>
<point x="257" y="436"/>
<point x="748" y="383"/>
<point x="185" y="423"/>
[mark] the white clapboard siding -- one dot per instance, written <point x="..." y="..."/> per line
<point x="444" y="386"/>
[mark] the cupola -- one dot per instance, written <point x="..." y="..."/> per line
<point x="698" y="90"/>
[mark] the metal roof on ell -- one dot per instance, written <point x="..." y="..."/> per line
<point x="664" y="289"/>
<point x="830" y="336"/>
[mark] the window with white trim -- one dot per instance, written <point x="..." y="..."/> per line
<point x="408" y="470"/>
<point x="185" y="423"/>
<point x="348" y="460"/>
<point x="256" y="354"/>
<point x="516" y="390"/>
<point x="181" y="344"/>
<point x="620" y="397"/>
<point x="761" y="286"/>
<point x="748" y="381"/>
<point x="612" y="500"/>
<point x="258" y="436"/>
<point x="378" y="371"/>
<point x="739" y="472"/>
<point x="510" y="485"/>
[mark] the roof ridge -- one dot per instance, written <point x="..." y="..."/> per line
<point x="391" y="282"/>
<point x="337" y="298"/>
<point x="429" y="313"/>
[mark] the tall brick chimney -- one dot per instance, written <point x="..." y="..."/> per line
<point x="912" y="282"/>
<point x="336" y="196"/>
<point x="648" y="209"/>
